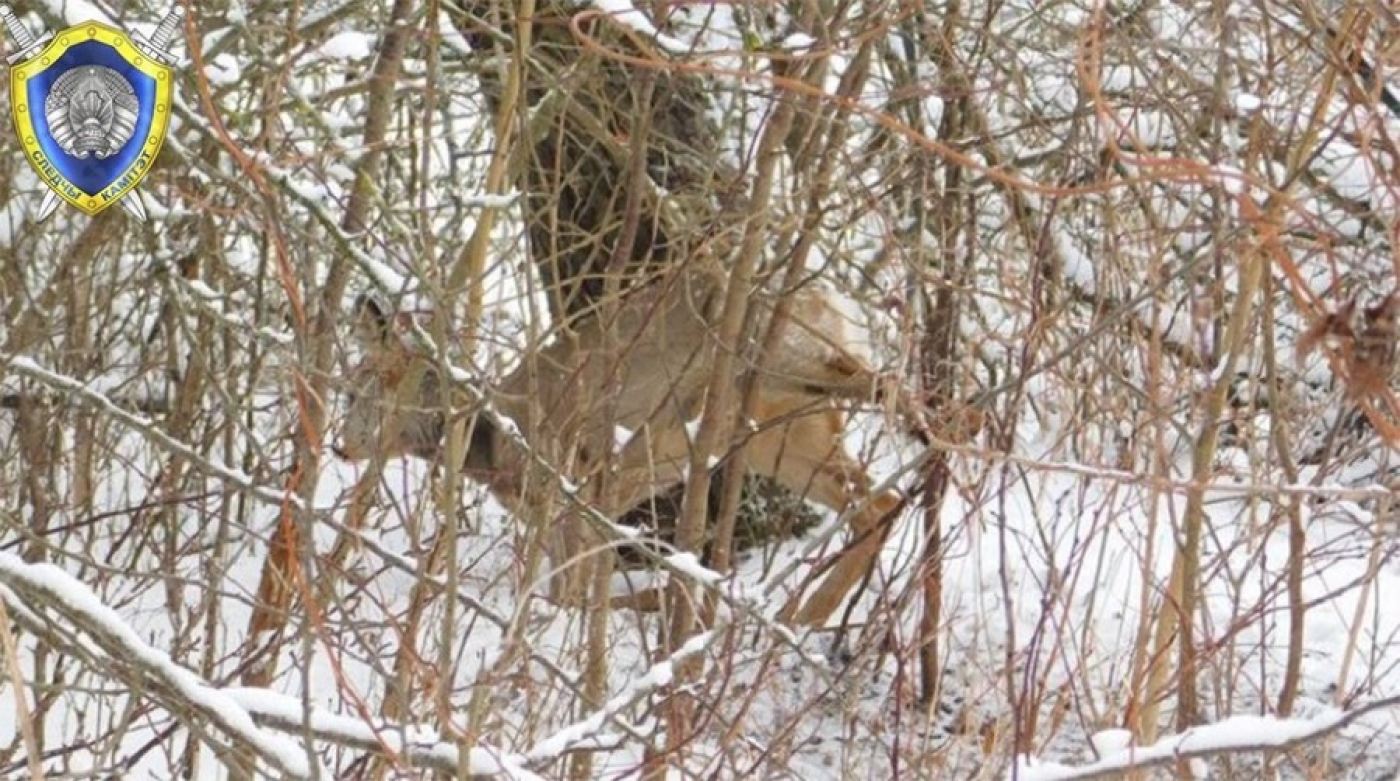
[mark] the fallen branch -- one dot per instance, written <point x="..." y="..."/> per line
<point x="69" y="617"/>
<point x="284" y="713"/>
<point x="1235" y="735"/>
<point x="143" y="405"/>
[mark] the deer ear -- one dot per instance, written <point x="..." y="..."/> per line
<point x="371" y="318"/>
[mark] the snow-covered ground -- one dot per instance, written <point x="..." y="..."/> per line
<point x="1047" y="573"/>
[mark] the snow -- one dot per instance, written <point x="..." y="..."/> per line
<point x="688" y="564"/>
<point x="105" y="627"/>
<point x="1111" y="741"/>
<point x="1237" y="733"/>
<point x="1247" y="103"/>
<point x="488" y="201"/>
<point x="1232" y="179"/>
<point x="214" y="302"/>
<point x="798" y="41"/>
<point x="626" y="584"/>
<point x="223" y="70"/>
<point x="627" y="14"/>
<point x="660" y="675"/>
<point x="348" y="45"/>
<point x="77" y="11"/>
<point x="414" y="741"/>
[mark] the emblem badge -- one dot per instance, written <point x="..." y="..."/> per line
<point x="91" y="107"/>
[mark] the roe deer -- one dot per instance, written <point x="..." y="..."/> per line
<point x="665" y="331"/>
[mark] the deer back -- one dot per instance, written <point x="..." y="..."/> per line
<point x="652" y="363"/>
<point x="649" y="361"/>
<point x="663" y="359"/>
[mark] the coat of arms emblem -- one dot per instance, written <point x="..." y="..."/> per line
<point x="91" y="107"/>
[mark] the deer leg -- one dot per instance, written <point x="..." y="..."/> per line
<point x="807" y="455"/>
<point x="653" y="461"/>
<point x="851" y="564"/>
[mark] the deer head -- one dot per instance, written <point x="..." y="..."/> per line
<point x="396" y="399"/>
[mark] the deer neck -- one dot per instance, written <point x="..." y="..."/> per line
<point x="495" y="460"/>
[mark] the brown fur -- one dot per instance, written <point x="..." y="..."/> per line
<point x="665" y="331"/>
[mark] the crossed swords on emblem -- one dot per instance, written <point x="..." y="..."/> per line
<point x="157" y="47"/>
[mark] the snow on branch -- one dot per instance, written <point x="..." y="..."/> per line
<point x="285" y="713"/>
<point x="1235" y="735"/>
<point x="67" y="614"/>
<point x="385" y="279"/>
<point x="659" y="676"/>
<point x="215" y="303"/>
<point x="77" y="12"/>
<point x="281" y="712"/>
<point x="60" y="382"/>
<point x="627" y="15"/>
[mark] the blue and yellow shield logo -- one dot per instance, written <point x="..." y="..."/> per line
<point x="91" y="108"/>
